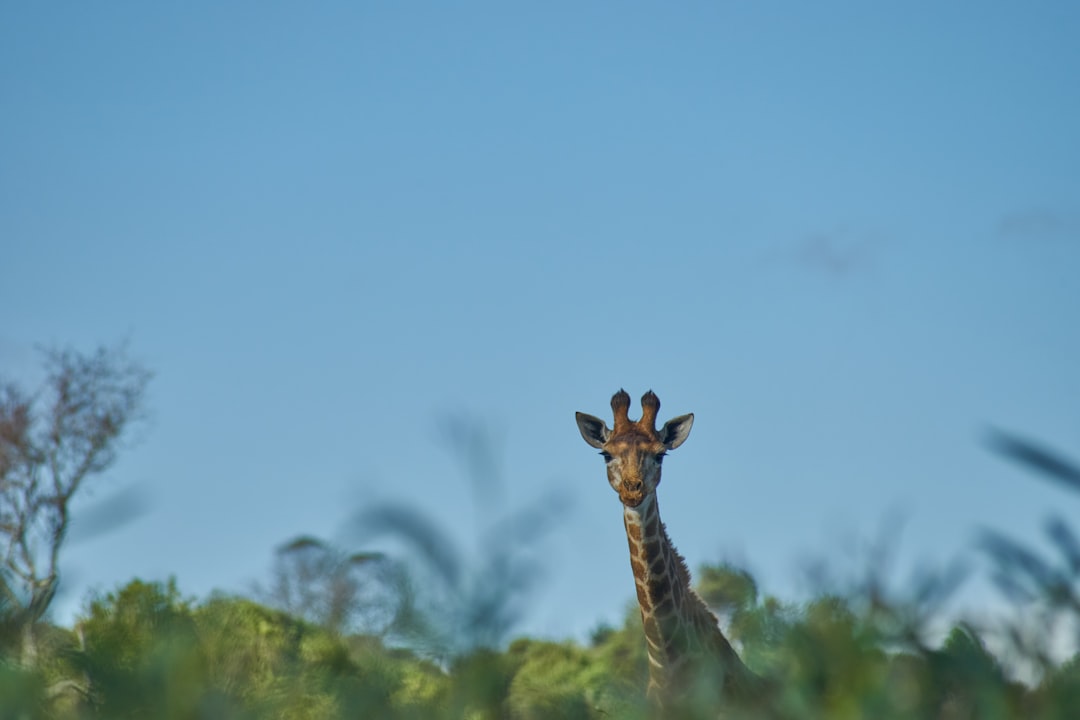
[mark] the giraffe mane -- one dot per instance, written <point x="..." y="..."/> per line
<point x="682" y="571"/>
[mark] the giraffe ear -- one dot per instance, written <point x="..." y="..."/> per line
<point x="676" y="430"/>
<point x="593" y="429"/>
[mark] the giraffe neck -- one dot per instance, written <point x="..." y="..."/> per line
<point x="681" y="634"/>
<point x="663" y="588"/>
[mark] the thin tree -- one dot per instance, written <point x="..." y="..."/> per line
<point x="338" y="591"/>
<point x="52" y="442"/>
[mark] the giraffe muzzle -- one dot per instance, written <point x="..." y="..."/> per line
<point x="632" y="494"/>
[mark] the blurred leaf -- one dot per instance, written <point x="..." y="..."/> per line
<point x="1060" y="534"/>
<point x="1022" y="573"/>
<point x="1046" y="461"/>
<point x="434" y="546"/>
<point x="934" y="588"/>
<point x="1013" y="557"/>
<point x="476" y="446"/>
<point x="109" y="514"/>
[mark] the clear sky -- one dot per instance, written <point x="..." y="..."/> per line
<point x="845" y="235"/>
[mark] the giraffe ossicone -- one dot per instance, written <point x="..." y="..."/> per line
<point x="690" y="659"/>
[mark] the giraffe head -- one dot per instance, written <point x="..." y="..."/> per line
<point x="634" y="450"/>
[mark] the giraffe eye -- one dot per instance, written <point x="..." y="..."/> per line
<point x="606" y="456"/>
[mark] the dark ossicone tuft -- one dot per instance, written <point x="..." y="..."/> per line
<point x="620" y="405"/>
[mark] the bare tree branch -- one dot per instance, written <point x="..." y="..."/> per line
<point x="51" y="442"/>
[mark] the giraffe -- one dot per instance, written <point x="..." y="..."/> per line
<point x="689" y="657"/>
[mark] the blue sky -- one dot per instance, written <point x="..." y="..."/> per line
<point x="845" y="235"/>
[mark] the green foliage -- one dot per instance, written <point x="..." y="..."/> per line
<point x="1058" y="695"/>
<point x="22" y="693"/>
<point x="142" y="653"/>
<point x="150" y="653"/>
<point x="624" y="649"/>
<point x="758" y="625"/>
<point x="146" y="651"/>
<point x="552" y="680"/>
